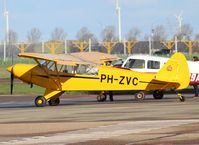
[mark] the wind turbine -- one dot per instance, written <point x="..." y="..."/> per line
<point x="179" y="20"/>
<point x="6" y="39"/>
<point x="118" y="11"/>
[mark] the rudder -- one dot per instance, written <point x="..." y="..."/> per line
<point x="175" y="71"/>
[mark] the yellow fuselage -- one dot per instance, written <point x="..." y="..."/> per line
<point x="108" y="78"/>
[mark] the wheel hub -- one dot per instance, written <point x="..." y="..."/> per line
<point x="39" y="102"/>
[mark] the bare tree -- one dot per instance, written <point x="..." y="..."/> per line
<point x="58" y="34"/>
<point x="34" y="35"/>
<point x="196" y="45"/>
<point x="197" y="36"/>
<point x="13" y="37"/>
<point x="186" y="32"/>
<point x="159" y="33"/>
<point x="84" y="35"/>
<point x="109" y="33"/>
<point x="133" y="34"/>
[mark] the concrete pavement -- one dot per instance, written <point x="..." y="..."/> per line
<point x="82" y="120"/>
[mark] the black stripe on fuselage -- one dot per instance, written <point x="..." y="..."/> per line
<point x="95" y="78"/>
<point x="67" y="76"/>
<point x="152" y="83"/>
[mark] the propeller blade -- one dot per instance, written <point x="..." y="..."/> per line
<point x="11" y="81"/>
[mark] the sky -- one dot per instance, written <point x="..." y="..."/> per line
<point x="72" y="15"/>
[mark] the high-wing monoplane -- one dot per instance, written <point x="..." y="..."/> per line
<point x="59" y="73"/>
<point x="152" y="64"/>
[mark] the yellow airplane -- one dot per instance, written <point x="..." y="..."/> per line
<point x="59" y="73"/>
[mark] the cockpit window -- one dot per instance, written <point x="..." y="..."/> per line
<point x="53" y="67"/>
<point x="153" y="64"/>
<point x="50" y="65"/>
<point x="42" y="62"/>
<point x="135" y="64"/>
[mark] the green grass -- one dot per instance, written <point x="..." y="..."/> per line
<point x="20" y="88"/>
<point x="3" y="72"/>
<point x="4" y="65"/>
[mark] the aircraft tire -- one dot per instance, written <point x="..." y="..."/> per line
<point x="54" y="102"/>
<point x="101" y="97"/>
<point x="157" y="94"/>
<point x="140" y="96"/>
<point x="40" y="101"/>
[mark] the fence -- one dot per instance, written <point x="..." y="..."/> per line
<point x="126" y="48"/>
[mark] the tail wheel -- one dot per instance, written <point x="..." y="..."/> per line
<point x="182" y="98"/>
<point x="101" y="97"/>
<point x="140" y="96"/>
<point x="54" y="102"/>
<point x="157" y="94"/>
<point x="40" y="101"/>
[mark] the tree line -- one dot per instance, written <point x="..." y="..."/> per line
<point x="109" y="33"/>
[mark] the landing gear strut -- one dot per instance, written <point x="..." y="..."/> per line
<point x="111" y="96"/>
<point x="40" y="101"/>
<point x="101" y="97"/>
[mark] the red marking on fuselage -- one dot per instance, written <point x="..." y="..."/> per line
<point x="194" y="79"/>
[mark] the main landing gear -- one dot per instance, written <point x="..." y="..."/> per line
<point x="158" y="94"/>
<point x="140" y="96"/>
<point x="40" y="101"/>
<point x="54" y="102"/>
<point x="103" y="96"/>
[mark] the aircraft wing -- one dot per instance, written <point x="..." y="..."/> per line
<point x="174" y="74"/>
<point x="96" y="57"/>
<point x="73" y="59"/>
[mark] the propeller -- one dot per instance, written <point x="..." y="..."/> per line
<point x="11" y="81"/>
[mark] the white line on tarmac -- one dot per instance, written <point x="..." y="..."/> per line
<point x="16" y="103"/>
<point x="101" y="132"/>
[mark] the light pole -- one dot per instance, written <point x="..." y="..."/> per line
<point x="176" y="44"/>
<point x="152" y="41"/>
<point x="150" y="45"/>
<point x="118" y="11"/>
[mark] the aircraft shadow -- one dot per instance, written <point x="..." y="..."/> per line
<point x="74" y="102"/>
